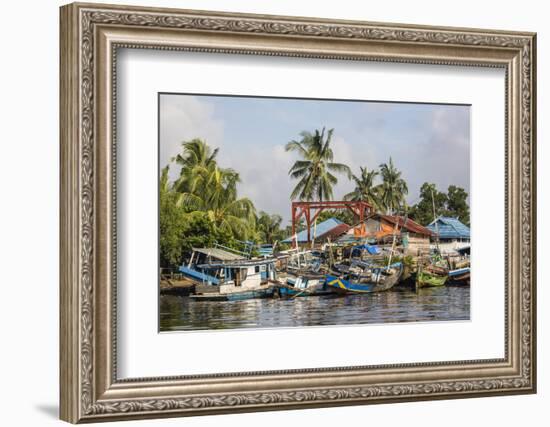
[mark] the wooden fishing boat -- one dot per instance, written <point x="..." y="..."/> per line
<point x="459" y="277"/>
<point x="230" y="279"/>
<point x="459" y="269"/>
<point x="426" y="278"/>
<point x="213" y="294"/>
<point x="306" y="284"/>
<point x="303" y="262"/>
<point x="181" y="287"/>
<point x="373" y="279"/>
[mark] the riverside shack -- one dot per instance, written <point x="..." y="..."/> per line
<point x="450" y="233"/>
<point x="381" y="228"/>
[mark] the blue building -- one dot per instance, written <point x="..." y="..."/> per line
<point x="450" y="229"/>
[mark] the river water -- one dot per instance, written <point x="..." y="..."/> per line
<point x="178" y="313"/>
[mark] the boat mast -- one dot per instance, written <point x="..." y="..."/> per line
<point x="330" y="254"/>
<point x="394" y="236"/>
<point x="393" y="241"/>
<point x="436" y="227"/>
<point x="314" y="233"/>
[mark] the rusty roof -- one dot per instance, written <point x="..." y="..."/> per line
<point x="406" y="223"/>
<point x="336" y="231"/>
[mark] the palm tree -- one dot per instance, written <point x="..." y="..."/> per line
<point x="269" y="227"/>
<point x="365" y="190"/>
<point x="164" y="185"/>
<point x="212" y="193"/>
<point x="314" y="170"/>
<point x="393" y="188"/>
<point x="197" y="157"/>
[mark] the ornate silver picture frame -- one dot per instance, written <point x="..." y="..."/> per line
<point x="91" y="390"/>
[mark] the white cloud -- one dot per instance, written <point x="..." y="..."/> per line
<point x="183" y="118"/>
<point x="264" y="172"/>
<point x="430" y="147"/>
<point x="427" y="147"/>
<point x="264" y="176"/>
<point x="354" y="156"/>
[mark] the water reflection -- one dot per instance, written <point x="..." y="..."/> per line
<point x="436" y="304"/>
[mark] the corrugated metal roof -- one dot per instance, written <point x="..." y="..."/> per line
<point x="335" y="232"/>
<point x="403" y="224"/>
<point x="330" y="227"/>
<point x="218" y="253"/>
<point x="408" y="224"/>
<point x="449" y="228"/>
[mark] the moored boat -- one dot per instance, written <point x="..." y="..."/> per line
<point x="426" y="278"/>
<point x="307" y="284"/>
<point x="227" y="277"/>
<point x="264" y="291"/>
<point x="459" y="276"/>
<point x="199" y="268"/>
<point x="370" y="279"/>
<point x="459" y="268"/>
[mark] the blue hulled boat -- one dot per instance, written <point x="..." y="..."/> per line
<point x="224" y="276"/>
<point x="459" y="276"/>
<point x="304" y="285"/>
<point x="358" y="279"/>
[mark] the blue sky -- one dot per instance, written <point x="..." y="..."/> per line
<point x="427" y="142"/>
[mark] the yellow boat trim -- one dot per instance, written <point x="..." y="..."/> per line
<point x="340" y="284"/>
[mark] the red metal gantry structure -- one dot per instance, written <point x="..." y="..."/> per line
<point x="360" y="209"/>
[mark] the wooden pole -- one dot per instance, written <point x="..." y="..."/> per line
<point x="436" y="227"/>
<point x="393" y="242"/>
<point x="314" y="233"/>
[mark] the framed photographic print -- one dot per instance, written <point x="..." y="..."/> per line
<point x="266" y="212"/>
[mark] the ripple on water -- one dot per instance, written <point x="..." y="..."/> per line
<point x="429" y="304"/>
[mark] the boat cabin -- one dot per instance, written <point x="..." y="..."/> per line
<point x="205" y="256"/>
<point x="218" y="267"/>
<point x="243" y="274"/>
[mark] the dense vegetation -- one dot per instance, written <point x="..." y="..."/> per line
<point x="453" y="203"/>
<point x="202" y="206"/>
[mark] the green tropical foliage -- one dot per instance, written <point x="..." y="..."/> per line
<point x="430" y="198"/>
<point x="196" y="158"/>
<point x="205" y="187"/>
<point x="453" y="203"/>
<point x="269" y="228"/>
<point x="202" y="206"/>
<point x="393" y="188"/>
<point x="315" y="171"/>
<point x="457" y="205"/>
<point x="179" y="230"/>
<point x="365" y="189"/>
<point x="217" y="200"/>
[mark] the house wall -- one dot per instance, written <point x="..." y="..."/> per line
<point x="453" y="245"/>
<point x="373" y="226"/>
<point x="417" y="244"/>
<point x="378" y="229"/>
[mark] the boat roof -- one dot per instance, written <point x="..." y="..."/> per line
<point x="241" y="263"/>
<point x="218" y="253"/>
